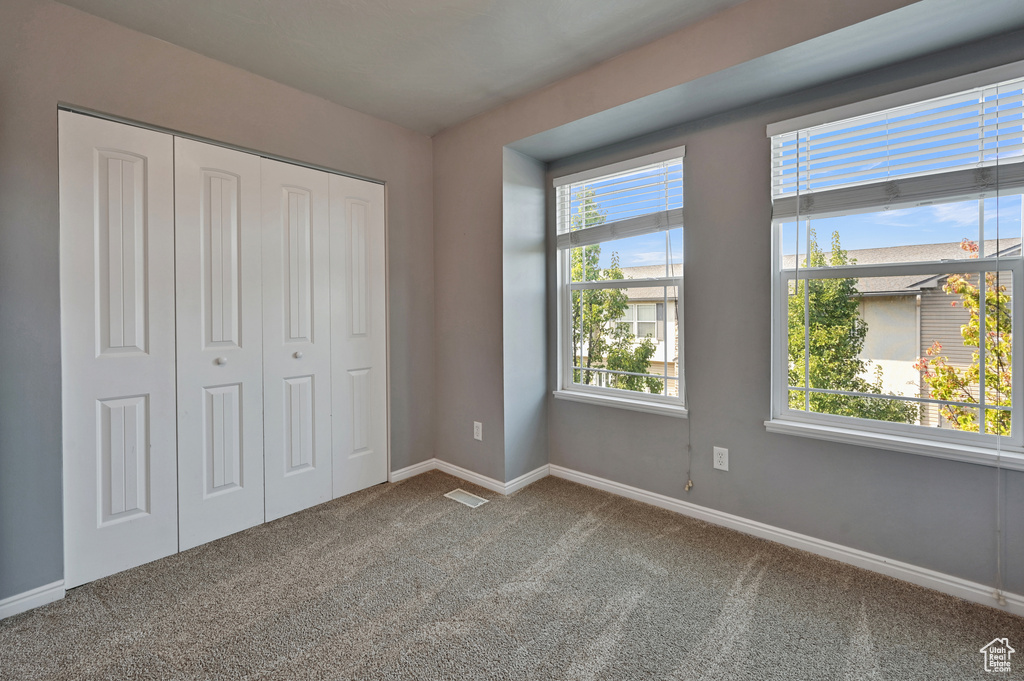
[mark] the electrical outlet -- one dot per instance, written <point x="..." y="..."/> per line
<point x="478" y="431"/>
<point x="721" y="458"/>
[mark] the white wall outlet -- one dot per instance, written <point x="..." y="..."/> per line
<point x="722" y="458"/>
<point x="478" y="431"/>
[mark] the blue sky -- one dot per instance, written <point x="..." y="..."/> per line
<point x="649" y="249"/>
<point x="942" y="223"/>
<point x="935" y="224"/>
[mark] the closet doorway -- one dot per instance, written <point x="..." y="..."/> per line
<point x="224" y="341"/>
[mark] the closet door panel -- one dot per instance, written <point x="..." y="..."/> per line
<point x="358" y="334"/>
<point x="117" y="346"/>
<point x="296" y="338"/>
<point x="218" y="230"/>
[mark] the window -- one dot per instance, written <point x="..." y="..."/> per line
<point x="642" y="320"/>
<point x="897" y="260"/>
<point x="620" y="252"/>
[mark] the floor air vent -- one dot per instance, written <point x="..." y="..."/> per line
<point x="464" y="497"/>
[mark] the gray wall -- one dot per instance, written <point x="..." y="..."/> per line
<point x="929" y="512"/>
<point x="524" y="316"/>
<point x="468" y="167"/>
<point x="50" y="53"/>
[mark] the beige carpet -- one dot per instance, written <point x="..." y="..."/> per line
<point x="555" y="582"/>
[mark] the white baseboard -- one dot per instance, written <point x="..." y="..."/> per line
<point x="948" y="584"/>
<point x="412" y="471"/>
<point x="469" y="476"/>
<point x="527" y="479"/>
<point x="42" y="595"/>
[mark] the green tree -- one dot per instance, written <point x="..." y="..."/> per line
<point x="837" y="334"/>
<point x="599" y="341"/>
<point x="962" y="384"/>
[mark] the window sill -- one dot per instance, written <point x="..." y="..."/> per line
<point x="633" y="404"/>
<point x="985" y="456"/>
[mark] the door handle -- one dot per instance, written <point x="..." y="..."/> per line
<point x="220" y="361"/>
<point x="297" y="354"/>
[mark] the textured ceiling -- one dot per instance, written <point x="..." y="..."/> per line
<point x="424" y="64"/>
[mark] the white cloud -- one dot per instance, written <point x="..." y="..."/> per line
<point x="945" y="216"/>
<point x="901" y="217"/>
<point x="957" y="214"/>
<point x="649" y="258"/>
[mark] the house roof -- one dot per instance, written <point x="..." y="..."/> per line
<point x="906" y="285"/>
<point x="649" y="272"/>
<point x="901" y="285"/>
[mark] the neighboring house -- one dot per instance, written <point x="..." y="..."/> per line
<point x="907" y="314"/>
<point x="653" y="314"/>
<point x="647" y="304"/>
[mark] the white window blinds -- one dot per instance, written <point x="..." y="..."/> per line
<point x="620" y="201"/>
<point x="947" y="148"/>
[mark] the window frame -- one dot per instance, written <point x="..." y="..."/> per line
<point x="947" y="443"/>
<point x="616" y="397"/>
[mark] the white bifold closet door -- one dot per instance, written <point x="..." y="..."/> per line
<point x="358" y="334"/>
<point x="218" y="230"/>
<point x="224" y="341"/>
<point x="117" y="346"/>
<point x="296" y="338"/>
